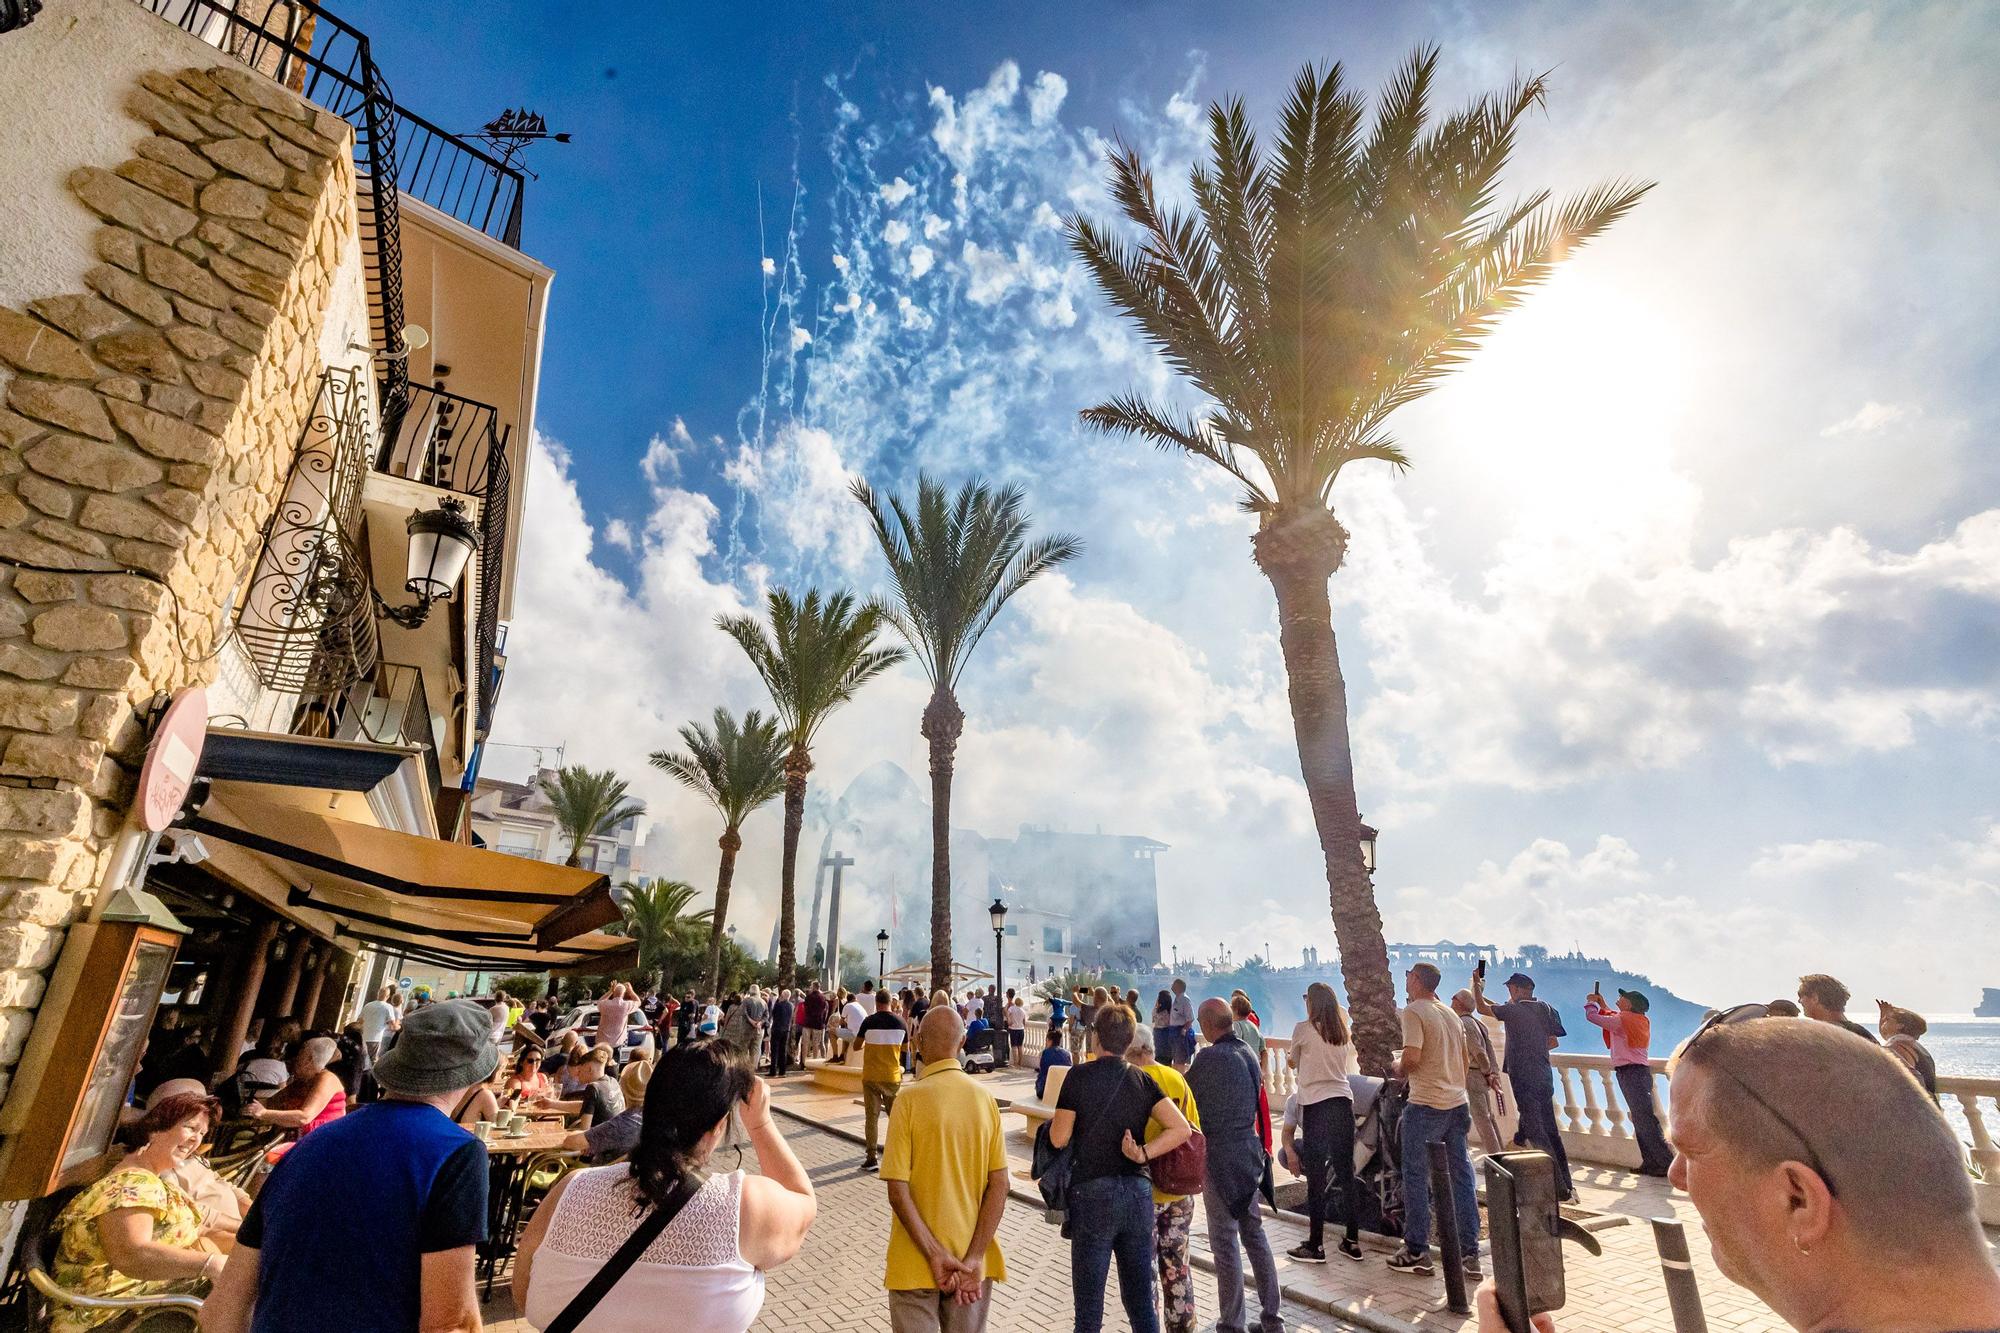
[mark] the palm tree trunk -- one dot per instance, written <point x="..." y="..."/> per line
<point x="944" y="722"/>
<point x="1299" y="552"/>
<point x="797" y="765"/>
<point x="731" y="842"/>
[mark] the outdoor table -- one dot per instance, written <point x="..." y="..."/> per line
<point x="509" y="1160"/>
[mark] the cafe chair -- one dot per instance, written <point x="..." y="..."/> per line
<point x="161" y="1312"/>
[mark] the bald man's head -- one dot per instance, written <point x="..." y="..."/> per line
<point x="1215" y="1018"/>
<point x="939" y="1035"/>
<point x="1770" y="1091"/>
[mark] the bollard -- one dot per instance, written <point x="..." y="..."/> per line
<point x="1445" y="1208"/>
<point x="1683" y="1296"/>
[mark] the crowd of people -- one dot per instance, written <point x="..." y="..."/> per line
<point x="1828" y="1181"/>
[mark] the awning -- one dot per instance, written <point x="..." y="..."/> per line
<point x="443" y="902"/>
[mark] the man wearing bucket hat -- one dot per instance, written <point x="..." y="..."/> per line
<point x="1627" y="1031"/>
<point x="371" y="1222"/>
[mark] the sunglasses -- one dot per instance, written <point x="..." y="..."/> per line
<point x="1744" y="1013"/>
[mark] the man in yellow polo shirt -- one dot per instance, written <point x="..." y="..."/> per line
<point x="946" y="1167"/>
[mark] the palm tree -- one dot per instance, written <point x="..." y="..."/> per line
<point x="1307" y="296"/>
<point x="587" y="804"/>
<point x="953" y="563"/>
<point x="737" y="768"/>
<point x="656" y="916"/>
<point x="817" y="653"/>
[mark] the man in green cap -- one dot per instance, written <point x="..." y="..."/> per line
<point x="1627" y="1031"/>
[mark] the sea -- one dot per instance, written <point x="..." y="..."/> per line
<point x="1964" y="1046"/>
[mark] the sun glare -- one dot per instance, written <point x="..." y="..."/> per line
<point x="1575" y="400"/>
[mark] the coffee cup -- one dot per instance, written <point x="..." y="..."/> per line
<point x="482" y="1130"/>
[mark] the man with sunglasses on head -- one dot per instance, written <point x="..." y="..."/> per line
<point x="1829" y="1184"/>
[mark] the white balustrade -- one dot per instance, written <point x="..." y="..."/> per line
<point x="1973" y="1098"/>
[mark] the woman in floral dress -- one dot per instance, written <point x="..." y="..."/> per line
<point x="134" y="1232"/>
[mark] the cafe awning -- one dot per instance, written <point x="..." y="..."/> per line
<point x="444" y="902"/>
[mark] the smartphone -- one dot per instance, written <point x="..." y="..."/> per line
<point x="1480" y="970"/>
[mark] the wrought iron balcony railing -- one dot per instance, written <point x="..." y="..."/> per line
<point x="441" y="439"/>
<point x="306" y="617"/>
<point x="326" y="60"/>
<point x="458" y="444"/>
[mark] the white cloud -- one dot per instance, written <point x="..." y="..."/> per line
<point x="1045" y="99"/>
<point x="1585" y="655"/>
<point x="840" y="262"/>
<point x="800" y="338"/>
<point x="990" y="273"/>
<point x="1871" y="416"/>
<point x="934" y="226"/>
<point x="619" y="533"/>
<point x="770" y="266"/>
<point x="1811" y="858"/>
<point x="896" y="191"/>
<point x="912" y="315"/>
<point x="662" y="461"/>
<point x="921" y="260"/>
<point x="895" y="232"/>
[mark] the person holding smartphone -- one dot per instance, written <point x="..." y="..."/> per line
<point x="708" y="1266"/>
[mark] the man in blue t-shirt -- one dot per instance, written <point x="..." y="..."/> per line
<point x="370" y="1223"/>
<point x="1532" y="1029"/>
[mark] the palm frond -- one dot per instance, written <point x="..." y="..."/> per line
<point x="954" y="561"/>
<point x="1309" y="295"/>
<point x="737" y="767"/>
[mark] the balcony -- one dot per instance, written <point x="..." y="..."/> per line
<point x="453" y="443"/>
<point x="397" y="153"/>
<point x="390" y="707"/>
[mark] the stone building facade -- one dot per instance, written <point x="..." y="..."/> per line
<point x="149" y="421"/>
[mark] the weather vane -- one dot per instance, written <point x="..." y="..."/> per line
<point x="510" y="133"/>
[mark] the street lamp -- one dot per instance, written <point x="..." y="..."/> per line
<point x="881" y="958"/>
<point x="1367" y="848"/>
<point x="442" y="542"/>
<point x="998" y="914"/>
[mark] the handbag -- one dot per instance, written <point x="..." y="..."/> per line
<point x="1051" y="1168"/>
<point x="1185" y="1169"/>
<point x="649" y="1229"/>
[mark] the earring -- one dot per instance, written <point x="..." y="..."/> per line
<point x="1800" y="1246"/>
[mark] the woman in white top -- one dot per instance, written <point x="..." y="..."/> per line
<point x="1323" y="1054"/>
<point x="705" y="1272"/>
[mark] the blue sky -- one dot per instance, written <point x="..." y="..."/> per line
<point x="1679" y="641"/>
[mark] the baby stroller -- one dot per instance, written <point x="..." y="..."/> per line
<point x="1378" y="1160"/>
<point x="979" y="1055"/>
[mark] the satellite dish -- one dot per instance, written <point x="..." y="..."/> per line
<point x="415" y="338"/>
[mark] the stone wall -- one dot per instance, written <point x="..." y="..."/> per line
<point x="147" y="426"/>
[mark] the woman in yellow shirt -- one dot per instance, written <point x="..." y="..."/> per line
<point x="134" y="1232"/>
<point x="1172" y="1213"/>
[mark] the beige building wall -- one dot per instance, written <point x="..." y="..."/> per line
<point x="155" y="386"/>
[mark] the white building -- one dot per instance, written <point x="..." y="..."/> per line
<point x="514" y="817"/>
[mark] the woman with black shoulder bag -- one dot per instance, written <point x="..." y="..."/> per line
<point x="613" y="1247"/>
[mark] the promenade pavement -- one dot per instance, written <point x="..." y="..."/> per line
<point x="835" y="1284"/>
<point x="1621" y="1290"/>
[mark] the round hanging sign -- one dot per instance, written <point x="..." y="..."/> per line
<point x="172" y="759"/>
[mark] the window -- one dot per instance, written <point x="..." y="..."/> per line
<point x="1013" y="930"/>
<point x="518" y="842"/>
<point x="1052" y="939"/>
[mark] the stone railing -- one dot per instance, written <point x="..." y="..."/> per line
<point x="1590" y="1111"/>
